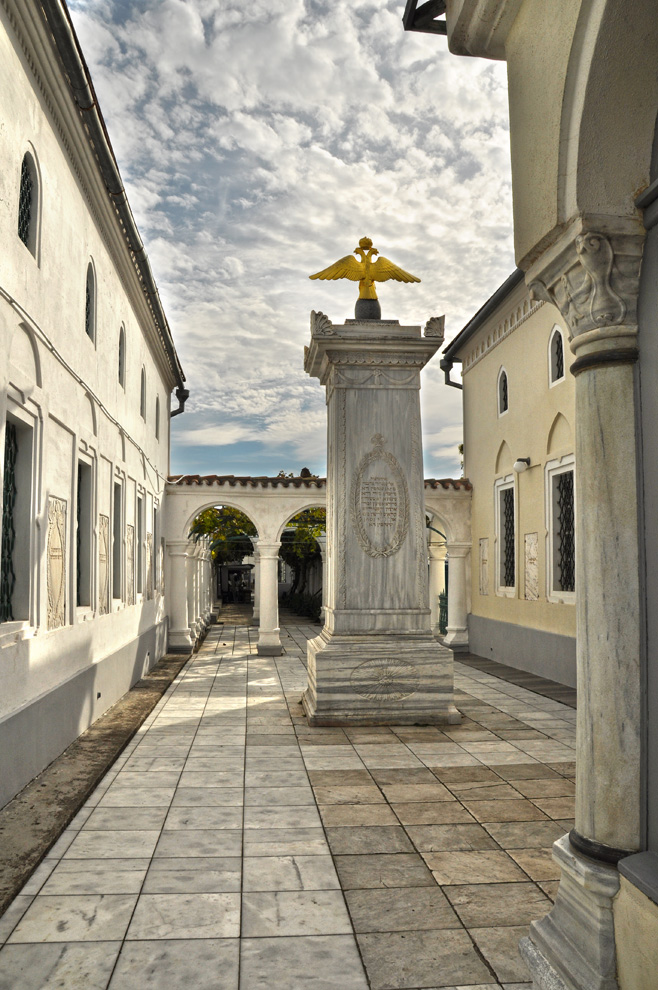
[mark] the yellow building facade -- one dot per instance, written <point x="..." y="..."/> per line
<point x="519" y="407"/>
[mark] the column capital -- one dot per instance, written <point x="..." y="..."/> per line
<point x="437" y="551"/>
<point x="458" y="549"/>
<point x="592" y="273"/>
<point x="269" y="549"/>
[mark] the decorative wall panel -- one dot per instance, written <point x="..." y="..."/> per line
<point x="56" y="572"/>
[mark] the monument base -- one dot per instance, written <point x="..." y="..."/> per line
<point x="379" y="680"/>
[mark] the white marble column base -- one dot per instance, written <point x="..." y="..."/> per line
<point x="573" y="947"/>
<point x="179" y="641"/>
<point x="379" y="680"/>
<point x="457" y="640"/>
<point x="269" y="644"/>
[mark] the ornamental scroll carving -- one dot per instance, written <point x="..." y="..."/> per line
<point x="56" y="572"/>
<point x="592" y="278"/>
<point x="379" y="502"/>
<point x="103" y="564"/>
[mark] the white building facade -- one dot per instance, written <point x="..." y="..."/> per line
<point x="87" y="367"/>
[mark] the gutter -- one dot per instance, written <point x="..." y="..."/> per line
<point x="68" y="49"/>
<point x="474" y="324"/>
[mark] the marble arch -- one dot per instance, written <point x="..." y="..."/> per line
<point x="270" y="503"/>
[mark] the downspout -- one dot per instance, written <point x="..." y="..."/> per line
<point x="182" y="394"/>
<point x="446" y="366"/>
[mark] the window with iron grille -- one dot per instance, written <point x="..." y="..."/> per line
<point x="7" y="575"/>
<point x="503" y="393"/>
<point x="564" y="544"/>
<point x="557" y="356"/>
<point x="26" y="204"/>
<point x="507" y="540"/>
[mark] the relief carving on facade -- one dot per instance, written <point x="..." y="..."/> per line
<point x="149" y="565"/>
<point x="103" y="564"/>
<point x="56" y="571"/>
<point x="379" y="502"/>
<point x="383" y="679"/>
<point x="130" y="564"/>
<point x="484" y="566"/>
<point x="531" y="558"/>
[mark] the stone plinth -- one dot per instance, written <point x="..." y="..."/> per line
<point x="376" y="660"/>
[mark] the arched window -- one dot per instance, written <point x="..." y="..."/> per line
<point x="157" y="417"/>
<point x="122" y="358"/>
<point x="503" y="392"/>
<point x="556" y="356"/>
<point x="28" y="202"/>
<point x="142" y="396"/>
<point x="90" y="303"/>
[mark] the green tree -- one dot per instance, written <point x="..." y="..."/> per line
<point x="230" y="533"/>
<point x="299" y="547"/>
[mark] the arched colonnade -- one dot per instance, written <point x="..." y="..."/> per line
<point x="270" y="503"/>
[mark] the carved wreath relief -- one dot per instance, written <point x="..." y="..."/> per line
<point x="379" y="502"/>
<point x="56" y="574"/>
<point x="103" y="564"/>
<point x="384" y="679"/>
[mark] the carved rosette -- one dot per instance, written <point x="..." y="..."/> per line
<point x="379" y="502"/>
<point x="384" y="679"/>
<point x="56" y="572"/>
<point x="592" y="275"/>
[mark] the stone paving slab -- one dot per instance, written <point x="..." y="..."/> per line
<point x="231" y="846"/>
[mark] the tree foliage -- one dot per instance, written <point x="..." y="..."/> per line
<point x="230" y="533"/>
<point x="299" y="547"/>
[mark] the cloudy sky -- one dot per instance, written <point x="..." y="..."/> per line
<point x="258" y="141"/>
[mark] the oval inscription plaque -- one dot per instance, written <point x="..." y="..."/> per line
<point x="383" y="679"/>
<point x="380" y="502"/>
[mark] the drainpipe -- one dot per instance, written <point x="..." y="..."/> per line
<point x="446" y="366"/>
<point x="182" y="394"/>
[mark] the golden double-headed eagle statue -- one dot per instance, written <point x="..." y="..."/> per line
<point x="366" y="271"/>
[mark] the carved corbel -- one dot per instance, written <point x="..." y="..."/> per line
<point x="591" y="274"/>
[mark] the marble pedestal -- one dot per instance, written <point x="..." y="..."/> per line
<point x="376" y="661"/>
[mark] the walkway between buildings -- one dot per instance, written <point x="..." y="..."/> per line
<point x="232" y="847"/>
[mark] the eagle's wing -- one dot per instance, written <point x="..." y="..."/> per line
<point x="347" y="267"/>
<point x="383" y="269"/>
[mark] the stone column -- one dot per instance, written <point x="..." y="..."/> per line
<point x="322" y="543"/>
<point x="256" y="555"/>
<point x="592" y="275"/>
<point x="179" y="640"/>
<point x="376" y="661"/>
<point x="437" y="580"/>
<point x="457" y="634"/>
<point x="269" y="641"/>
<point x="191" y="572"/>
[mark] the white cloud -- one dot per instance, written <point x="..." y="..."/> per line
<point x="258" y="142"/>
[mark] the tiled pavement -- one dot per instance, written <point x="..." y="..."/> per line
<point x="322" y="859"/>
